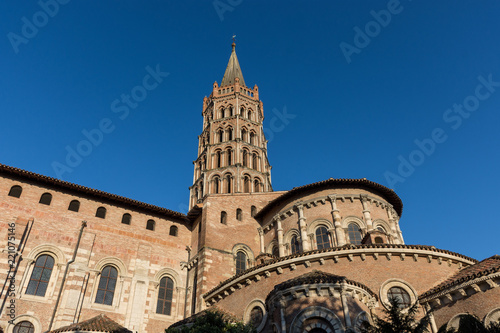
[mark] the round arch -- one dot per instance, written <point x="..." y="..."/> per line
<point x="311" y="228"/>
<point x="383" y="224"/>
<point x="353" y="219"/>
<point x="316" y="312"/>
<point x="256" y="303"/>
<point x="113" y="261"/>
<point x="38" y="250"/>
<point x="24" y="317"/>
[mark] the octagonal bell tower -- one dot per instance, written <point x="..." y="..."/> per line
<point x="232" y="149"/>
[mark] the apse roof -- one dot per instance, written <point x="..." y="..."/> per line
<point x="233" y="70"/>
<point x="483" y="268"/>
<point x="386" y="192"/>
<point x="100" y="323"/>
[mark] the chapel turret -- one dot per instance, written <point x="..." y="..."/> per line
<point x="232" y="149"/>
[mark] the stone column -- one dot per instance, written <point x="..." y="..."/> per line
<point x="345" y="308"/>
<point x="306" y="246"/>
<point x="279" y="230"/>
<point x="366" y="212"/>
<point x="337" y="219"/>
<point x="261" y="236"/>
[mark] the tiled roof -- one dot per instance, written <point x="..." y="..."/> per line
<point x="482" y="268"/>
<point x="385" y="192"/>
<point x="95" y="194"/>
<point x="341" y="248"/>
<point x="100" y="323"/>
<point x="316" y="277"/>
<point x="191" y="319"/>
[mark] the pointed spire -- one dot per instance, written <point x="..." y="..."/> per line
<point x="233" y="70"/>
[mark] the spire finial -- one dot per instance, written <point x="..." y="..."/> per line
<point x="234" y="42"/>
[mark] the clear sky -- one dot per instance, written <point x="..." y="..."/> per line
<point x="404" y="93"/>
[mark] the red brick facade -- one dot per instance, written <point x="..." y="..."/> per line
<point x="322" y="257"/>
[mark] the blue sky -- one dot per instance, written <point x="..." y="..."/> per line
<point x="360" y="81"/>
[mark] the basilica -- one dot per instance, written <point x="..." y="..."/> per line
<point x="321" y="257"/>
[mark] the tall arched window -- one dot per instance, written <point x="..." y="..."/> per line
<point x="241" y="262"/>
<point x="150" y="225"/>
<point x="216" y="184"/>
<point x="74" y="206"/>
<point x="256" y="185"/>
<point x="46" y="199"/>
<point x="40" y="276"/>
<point x="294" y="244"/>
<point x="250" y="115"/>
<point x="354" y="234"/>
<point x="218" y="161"/>
<point x="230" y="111"/>
<point x="239" y="214"/>
<point x="229" y="154"/>
<point x="242" y="111"/>
<point x="221" y="112"/>
<point x="15" y="191"/>
<point x="228" y="183"/>
<point x="323" y="238"/>
<point x="255" y="161"/>
<point x="220" y="135"/>
<point x="101" y="212"/>
<point x="223" y="217"/>
<point x="244" y="134"/>
<point x="246" y="184"/>
<point x="252" y="138"/>
<point x="24" y="327"/>
<point x="165" y="295"/>
<point x="126" y="218"/>
<point x="106" y="287"/>
<point x="173" y="231"/>
<point x="245" y="157"/>
<point x="276" y="251"/>
<point x="229" y="133"/>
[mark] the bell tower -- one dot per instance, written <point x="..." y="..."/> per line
<point x="232" y="149"/>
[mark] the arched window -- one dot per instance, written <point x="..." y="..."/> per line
<point x="401" y="295"/>
<point x="245" y="157"/>
<point x="255" y="161"/>
<point x="246" y="184"/>
<point x="242" y="111"/>
<point x="228" y="183"/>
<point x="241" y="262"/>
<point x="24" y="327"/>
<point x="294" y="244"/>
<point x="239" y="214"/>
<point x="380" y="228"/>
<point x="230" y="133"/>
<point x="221" y="112"/>
<point x="218" y="161"/>
<point x="379" y="240"/>
<point x="229" y="154"/>
<point x="230" y="111"/>
<point x="15" y="191"/>
<point x="253" y="211"/>
<point x="173" y="231"/>
<point x="216" y="184"/>
<point x="252" y="138"/>
<point x="46" y="198"/>
<point x="101" y="212"/>
<point x="244" y="134"/>
<point x="165" y="295"/>
<point x="250" y="115"/>
<point x="40" y="276"/>
<point x="323" y="238"/>
<point x="126" y="218"/>
<point x="74" y="206"/>
<point x="150" y="225"/>
<point x="106" y="287"/>
<point x="256" y="185"/>
<point x="223" y="217"/>
<point x="354" y="234"/>
<point x="276" y="251"/>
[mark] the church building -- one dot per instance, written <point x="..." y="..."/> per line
<point x="321" y="257"/>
